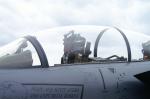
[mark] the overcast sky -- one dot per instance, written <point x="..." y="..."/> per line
<point x="19" y="17"/>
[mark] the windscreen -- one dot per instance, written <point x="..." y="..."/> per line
<point x="20" y="53"/>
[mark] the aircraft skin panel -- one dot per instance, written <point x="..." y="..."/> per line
<point x="62" y="80"/>
<point x="120" y="85"/>
<point x="94" y="81"/>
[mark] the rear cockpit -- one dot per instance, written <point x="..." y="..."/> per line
<point x="77" y="49"/>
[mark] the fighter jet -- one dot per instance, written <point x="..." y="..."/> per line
<point x="82" y="73"/>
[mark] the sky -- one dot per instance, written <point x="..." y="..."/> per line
<point x="19" y="17"/>
<point x="25" y="17"/>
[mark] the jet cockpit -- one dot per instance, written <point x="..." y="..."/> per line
<point x="78" y="45"/>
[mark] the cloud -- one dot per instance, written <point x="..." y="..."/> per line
<point x="26" y="16"/>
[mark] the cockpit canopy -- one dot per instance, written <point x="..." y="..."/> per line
<point x="112" y="44"/>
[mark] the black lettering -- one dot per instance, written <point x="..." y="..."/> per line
<point x="71" y="96"/>
<point x="73" y="90"/>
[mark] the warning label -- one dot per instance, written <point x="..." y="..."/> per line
<point x="53" y="91"/>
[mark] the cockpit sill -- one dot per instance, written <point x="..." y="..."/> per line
<point x="79" y="64"/>
<point x="104" y="62"/>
